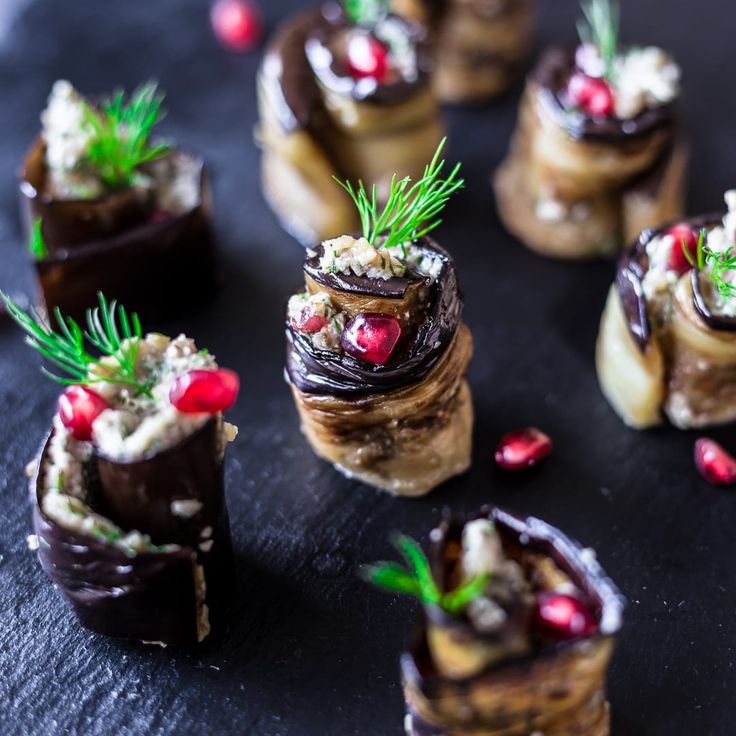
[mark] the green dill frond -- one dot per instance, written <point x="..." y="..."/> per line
<point x="121" y="133"/>
<point x="36" y="244"/>
<point x="366" y="12"/>
<point x="411" y="210"/>
<point x="417" y="581"/>
<point x="110" y="331"/>
<point x="713" y="264"/>
<point x="600" y="27"/>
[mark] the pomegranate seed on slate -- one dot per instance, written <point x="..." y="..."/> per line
<point x="561" y="616"/>
<point x="371" y="337"/>
<point x="205" y="392"/>
<point x="594" y="96"/>
<point x="367" y="57"/>
<point x="237" y="24"/>
<point x="78" y="408"/>
<point x="685" y="237"/>
<point x="715" y="464"/>
<point x="522" y="449"/>
<point x="309" y="322"/>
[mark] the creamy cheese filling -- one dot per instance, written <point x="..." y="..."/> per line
<point x="660" y="281"/>
<point x="303" y="307"/>
<point x="642" y="77"/>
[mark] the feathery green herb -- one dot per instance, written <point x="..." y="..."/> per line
<point x="600" y="27"/>
<point x="121" y="132"/>
<point x="416" y="579"/>
<point x="36" y="244"/>
<point x="411" y="210"/>
<point x="714" y="264"/>
<point x="366" y="12"/>
<point x="109" y="329"/>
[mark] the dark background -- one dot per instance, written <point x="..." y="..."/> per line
<point x="309" y="649"/>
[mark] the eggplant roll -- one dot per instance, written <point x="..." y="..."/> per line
<point x="480" y="45"/>
<point x="132" y="524"/>
<point x="579" y="183"/>
<point x="125" y="242"/>
<point x="376" y="363"/>
<point x="667" y="340"/>
<point x="530" y="654"/>
<point x="319" y="118"/>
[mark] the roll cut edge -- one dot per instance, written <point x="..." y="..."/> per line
<point x="460" y="682"/>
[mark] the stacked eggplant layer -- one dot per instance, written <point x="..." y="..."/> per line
<point x="404" y="427"/>
<point x="172" y="590"/>
<point x="100" y="244"/>
<point x="480" y="46"/>
<point x="684" y="369"/>
<point x="574" y="186"/>
<point x="453" y="688"/>
<point x="316" y="121"/>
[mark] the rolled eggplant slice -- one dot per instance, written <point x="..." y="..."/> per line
<point x="574" y="183"/>
<point x="480" y="46"/>
<point x="458" y="681"/>
<point x="402" y="424"/>
<point x="128" y="492"/>
<point x="318" y="119"/>
<point x="125" y="243"/>
<point x="667" y="342"/>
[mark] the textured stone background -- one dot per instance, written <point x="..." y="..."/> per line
<point x="309" y="650"/>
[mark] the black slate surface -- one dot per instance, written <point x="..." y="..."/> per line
<point x="309" y="650"/>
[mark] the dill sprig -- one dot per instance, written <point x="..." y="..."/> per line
<point x="121" y="131"/>
<point x="366" y="12"/>
<point x="600" y="27"/>
<point x="36" y="243"/>
<point x="109" y="330"/>
<point x="416" y="579"/>
<point x="411" y="210"/>
<point x="714" y="264"/>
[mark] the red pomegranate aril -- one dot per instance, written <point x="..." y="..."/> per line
<point x="592" y="95"/>
<point x="309" y="322"/>
<point x="713" y="462"/>
<point x="237" y="24"/>
<point x="562" y="616"/>
<point x="371" y="337"/>
<point x="78" y="408"/>
<point x="522" y="449"/>
<point x="205" y="391"/>
<point x="685" y="237"/>
<point x="367" y="57"/>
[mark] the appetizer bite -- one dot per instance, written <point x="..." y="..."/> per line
<point x="596" y="156"/>
<point x="517" y="628"/>
<point x="376" y="349"/>
<point x="480" y="45"/>
<point x="120" y="211"/>
<point x="342" y="89"/>
<point x="128" y="501"/>
<point x="667" y="341"/>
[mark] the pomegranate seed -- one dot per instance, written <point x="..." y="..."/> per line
<point x="561" y="616"/>
<point x="367" y="57"/>
<point x="237" y="24"/>
<point x="309" y="321"/>
<point x="78" y="408"/>
<point x="522" y="449"/>
<point x="371" y="337"/>
<point x="715" y="464"/>
<point x="205" y="392"/>
<point x="684" y="237"/>
<point x="593" y="95"/>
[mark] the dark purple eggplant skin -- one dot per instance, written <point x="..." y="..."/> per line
<point x="539" y="536"/>
<point x="119" y="245"/>
<point x="150" y="596"/>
